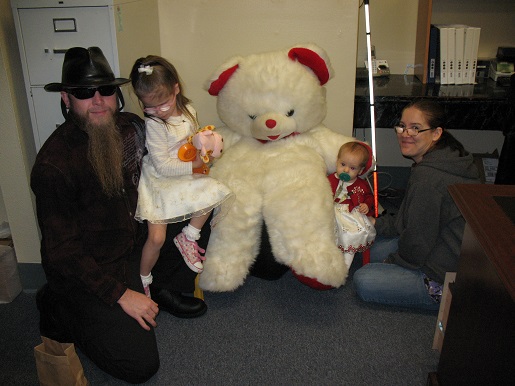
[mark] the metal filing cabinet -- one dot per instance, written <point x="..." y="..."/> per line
<point x="45" y="30"/>
<point x="124" y="30"/>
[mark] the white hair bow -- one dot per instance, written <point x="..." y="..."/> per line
<point x="146" y="69"/>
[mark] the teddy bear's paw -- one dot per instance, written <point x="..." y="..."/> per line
<point x="220" y="277"/>
<point x="311" y="282"/>
<point x="216" y="284"/>
<point x="321" y="270"/>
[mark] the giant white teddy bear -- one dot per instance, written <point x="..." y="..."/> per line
<point x="277" y="154"/>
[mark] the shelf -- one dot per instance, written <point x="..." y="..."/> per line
<point x="483" y="106"/>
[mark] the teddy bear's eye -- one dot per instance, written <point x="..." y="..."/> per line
<point x="252" y="117"/>
<point x="290" y="113"/>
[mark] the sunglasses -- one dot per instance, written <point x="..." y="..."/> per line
<point x="89" y="92"/>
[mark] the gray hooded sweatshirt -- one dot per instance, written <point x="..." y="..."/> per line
<point x="428" y="223"/>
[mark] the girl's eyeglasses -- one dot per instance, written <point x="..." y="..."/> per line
<point x="154" y="110"/>
<point x="89" y="92"/>
<point x="162" y="107"/>
<point x="412" y="131"/>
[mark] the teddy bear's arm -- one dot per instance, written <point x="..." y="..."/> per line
<point x="230" y="137"/>
<point x="327" y="143"/>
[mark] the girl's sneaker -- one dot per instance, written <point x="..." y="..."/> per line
<point x="190" y="252"/>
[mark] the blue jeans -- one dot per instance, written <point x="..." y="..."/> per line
<point x="391" y="284"/>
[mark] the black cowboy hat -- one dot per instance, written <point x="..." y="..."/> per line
<point x="85" y="68"/>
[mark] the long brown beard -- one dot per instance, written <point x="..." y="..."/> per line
<point x="105" y="152"/>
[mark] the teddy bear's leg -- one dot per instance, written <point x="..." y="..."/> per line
<point x="232" y="248"/>
<point x="301" y="229"/>
<point x="265" y="266"/>
<point x="348" y="256"/>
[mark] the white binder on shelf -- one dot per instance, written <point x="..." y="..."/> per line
<point x="475" y="49"/>
<point x="444" y="64"/>
<point x="459" y="53"/>
<point x="467" y="56"/>
<point x="451" y="54"/>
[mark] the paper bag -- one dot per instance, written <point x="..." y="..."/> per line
<point x="58" y="364"/>
<point x="10" y="284"/>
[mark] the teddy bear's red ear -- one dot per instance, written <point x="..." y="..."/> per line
<point x="219" y="83"/>
<point x="312" y="60"/>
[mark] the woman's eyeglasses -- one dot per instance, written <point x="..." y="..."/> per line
<point x="412" y="131"/>
<point x="89" y="92"/>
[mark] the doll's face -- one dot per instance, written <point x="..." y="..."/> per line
<point x="349" y="163"/>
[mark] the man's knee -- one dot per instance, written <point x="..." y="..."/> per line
<point x="139" y="370"/>
<point x="54" y="323"/>
<point x="136" y="364"/>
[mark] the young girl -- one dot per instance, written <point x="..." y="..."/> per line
<point x="353" y="200"/>
<point x="169" y="191"/>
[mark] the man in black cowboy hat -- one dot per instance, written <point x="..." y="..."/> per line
<point x="85" y="180"/>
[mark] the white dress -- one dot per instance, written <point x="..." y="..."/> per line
<point x="353" y="231"/>
<point x="168" y="191"/>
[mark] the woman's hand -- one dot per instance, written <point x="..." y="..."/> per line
<point x="139" y="307"/>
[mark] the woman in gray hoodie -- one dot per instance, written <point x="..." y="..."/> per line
<point x="417" y="246"/>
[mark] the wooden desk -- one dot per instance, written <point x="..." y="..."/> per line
<point x="479" y="341"/>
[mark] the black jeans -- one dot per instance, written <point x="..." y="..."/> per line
<point x="113" y="340"/>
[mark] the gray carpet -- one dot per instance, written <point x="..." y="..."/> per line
<point x="266" y="332"/>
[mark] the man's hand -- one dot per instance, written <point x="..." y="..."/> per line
<point x="140" y="307"/>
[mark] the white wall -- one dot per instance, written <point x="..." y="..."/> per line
<point x="137" y="35"/>
<point x="199" y="35"/>
<point x="392" y="31"/>
<point x="14" y="175"/>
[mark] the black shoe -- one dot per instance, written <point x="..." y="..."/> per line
<point x="177" y="304"/>
<point x="49" y="323"/>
